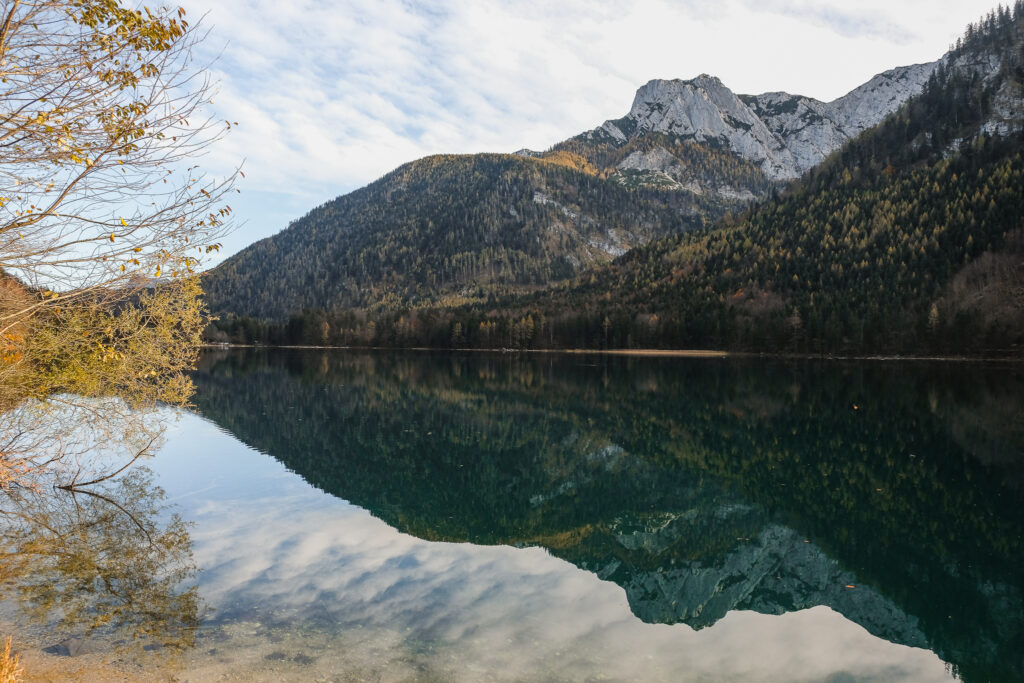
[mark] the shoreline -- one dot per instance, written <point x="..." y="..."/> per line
<point x="640" y="353"/>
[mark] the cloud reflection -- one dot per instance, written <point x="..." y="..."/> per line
<point x="281" y="554"/>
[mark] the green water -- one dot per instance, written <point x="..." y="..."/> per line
<point x="698" y="486"/>
<point x="334" y="515"/>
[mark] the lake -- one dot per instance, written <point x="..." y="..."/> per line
<point x="340" y="515"/>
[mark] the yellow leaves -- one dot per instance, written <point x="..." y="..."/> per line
<point x="10" y="357"/>
<point x="84" y="126"/>
<point x="10" y="665"/>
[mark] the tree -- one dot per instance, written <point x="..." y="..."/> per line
<point x="104" y="218"/>
<point x="100" y="108"/>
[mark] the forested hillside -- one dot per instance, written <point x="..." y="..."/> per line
<point x="911" y="238"/>
<point x="928" y="258"/>
<point x="908" y="240"/>
<point x="449" y="229"/>
<point x="666" y="161"/>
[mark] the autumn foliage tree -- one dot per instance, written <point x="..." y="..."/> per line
<point x="104" y="216"/>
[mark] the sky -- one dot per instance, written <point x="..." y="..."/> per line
<point x="330" y="96"/>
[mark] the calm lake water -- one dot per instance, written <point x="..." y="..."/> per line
<point x="333" y="515"/>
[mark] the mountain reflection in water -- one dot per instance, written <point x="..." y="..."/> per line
<point x="891" y="493"/>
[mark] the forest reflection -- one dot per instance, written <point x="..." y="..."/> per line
<point x="700" y="486"/>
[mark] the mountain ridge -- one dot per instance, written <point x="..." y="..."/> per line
<point x="447" y="229"/>
<point x="906" y="239"/>
<point x="782" y="133"/>
<point x="689" y="181"/>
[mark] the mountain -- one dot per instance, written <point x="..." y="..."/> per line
<point x="908" y="240"/>
<point x="780" y="134"/>
<point x="450" y="230"/>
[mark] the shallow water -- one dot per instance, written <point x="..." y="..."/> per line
<point x="357" y="516"/>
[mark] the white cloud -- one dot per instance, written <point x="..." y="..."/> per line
<point x="332" y="95"/>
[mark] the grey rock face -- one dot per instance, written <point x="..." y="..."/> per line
<point x="657" y="159"/>
<point x="1007" y="112"/>
<point x="867" y="105"/>
<point x="1007" y="115"/>
<point x="784" y="134"/>
<point x="659" y="167"/>
<point x="774" y="573"/>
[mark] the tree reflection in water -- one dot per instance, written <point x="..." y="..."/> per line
<point x="699" y="486"/>
<point x="110" y="566"/>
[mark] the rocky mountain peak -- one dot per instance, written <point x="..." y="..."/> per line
<point x="681" y="104"/>
<point x="784" y="134"/>
<point x="866" y="105"/>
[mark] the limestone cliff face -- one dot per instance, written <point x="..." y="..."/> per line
<point x="785" y="135"/>
<point x="989" y="67"/>
<point x="866" y="105"/>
